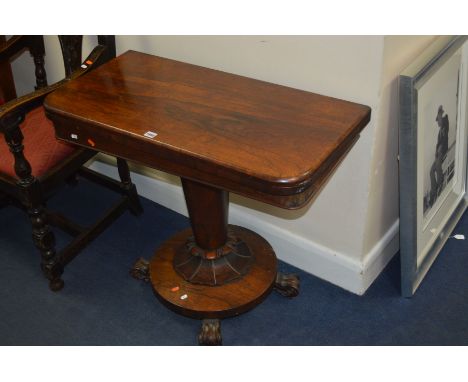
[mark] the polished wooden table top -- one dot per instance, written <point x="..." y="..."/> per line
<point x="266" y="141"/>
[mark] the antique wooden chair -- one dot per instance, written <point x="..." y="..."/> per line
<point x="33" y="164"/>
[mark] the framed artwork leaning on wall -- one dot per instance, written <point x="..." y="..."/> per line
<point x="432" y="154"/>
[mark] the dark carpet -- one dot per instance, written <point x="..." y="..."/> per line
<point x="102" y="305"/>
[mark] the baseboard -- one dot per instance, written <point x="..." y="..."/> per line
<point x="380" y="255"/>
<point x="322" y="261"/>
<point x="296" y="250"/>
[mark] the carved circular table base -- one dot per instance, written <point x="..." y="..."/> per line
<point x="217" y="267"/>
<point x="220" y="301"/>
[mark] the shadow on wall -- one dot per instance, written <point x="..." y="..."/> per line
<point x="384" y="203"/>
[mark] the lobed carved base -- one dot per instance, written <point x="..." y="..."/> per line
<point x="213" y="267"/>
<point x="210" y="333"/>
<point x="287" y="284"/>
<point x="140" y="270"/>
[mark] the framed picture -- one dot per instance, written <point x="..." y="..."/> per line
<point x="432" y="154"/>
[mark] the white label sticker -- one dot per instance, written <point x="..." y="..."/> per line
<point x="74" y="136"/>
<point x="150" y="134"/>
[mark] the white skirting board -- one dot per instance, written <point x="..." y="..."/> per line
<point x="303" y="253"/>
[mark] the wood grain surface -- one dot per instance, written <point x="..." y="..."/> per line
<point x="265" y="141"/>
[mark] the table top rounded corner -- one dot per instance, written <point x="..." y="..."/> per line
<point x="227" y="130"/>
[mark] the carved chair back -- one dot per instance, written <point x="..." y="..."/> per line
<point x="72" y="48"/>
<point x="13" y="113"/>
<point x="71" y="52"/>
<point x="35" y="45"/>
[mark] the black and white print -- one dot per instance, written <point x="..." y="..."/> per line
<point x="439" y="102"/>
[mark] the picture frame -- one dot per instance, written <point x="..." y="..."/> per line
<point x="432" y="154"/>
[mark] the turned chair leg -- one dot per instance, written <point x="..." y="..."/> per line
<point x="33" y="200"/>
<point x="44" y="240"/>
<point x="128" y="187"/>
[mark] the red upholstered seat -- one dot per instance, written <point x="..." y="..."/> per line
<point x="41" y="149"/>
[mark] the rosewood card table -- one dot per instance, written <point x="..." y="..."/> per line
<point x="220" y="133"/>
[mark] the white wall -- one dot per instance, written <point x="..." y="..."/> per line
<point x="331" y="229"/>
<point x="348" y="234"/>
<point x="381" y="239"/>
<point x="399" y="51"/>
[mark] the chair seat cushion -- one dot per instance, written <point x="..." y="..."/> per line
<point x="42" y="150"/>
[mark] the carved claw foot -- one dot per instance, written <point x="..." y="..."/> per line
<point x="210" y="333"/>
<point x="140" y="270"/>
<point x="287" y="284"/>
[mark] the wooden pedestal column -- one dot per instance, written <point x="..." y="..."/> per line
<point x="213" y="270"/>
